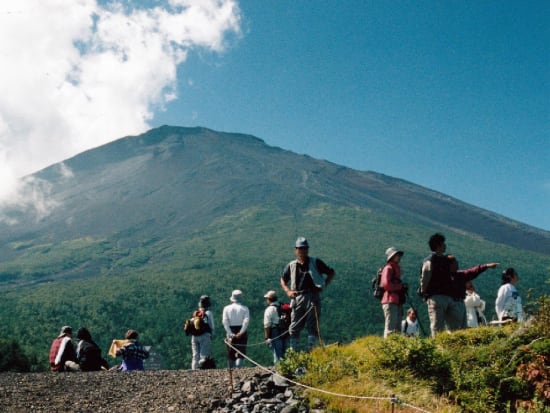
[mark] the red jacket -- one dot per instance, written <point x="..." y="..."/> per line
<point x="391" y="283"/>
<point x="68" y="353"/>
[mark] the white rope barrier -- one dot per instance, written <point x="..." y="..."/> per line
<point x="284" y="332"/>
<point x="392" y="399"/>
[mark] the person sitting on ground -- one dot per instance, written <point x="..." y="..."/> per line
<point x="88" y="352"/>
<point x="475" y="307"/>
<point x="508" y="303"/>
<point x="62" y="354"/>
<point x="132" y="352"/>
<point x="409" y="326"/>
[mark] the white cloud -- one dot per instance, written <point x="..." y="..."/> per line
<point x="78" y="73"/>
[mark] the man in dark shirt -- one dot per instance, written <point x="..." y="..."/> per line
<point x="302" y="281"/>
<point x="436" y="286"/>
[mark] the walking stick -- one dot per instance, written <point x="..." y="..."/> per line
<point x="417" y="315"/>
<point x="229" y="368"/>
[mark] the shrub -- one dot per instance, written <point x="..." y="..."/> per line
<point x="419" y="356"/>
<point x="294" y="364"/>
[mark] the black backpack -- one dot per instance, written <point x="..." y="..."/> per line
<point x="377" y="290"/>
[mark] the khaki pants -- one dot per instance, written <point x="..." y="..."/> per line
<point x="445" y="311"/>
<point x="393" y="313"/>
<point x="71" y="366"/>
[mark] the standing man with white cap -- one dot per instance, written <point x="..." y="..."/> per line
<point x="394" y="292"/>
<point x="302" y="281"/>
<point x="275" y="337"/>
<point x="235" y="319"/>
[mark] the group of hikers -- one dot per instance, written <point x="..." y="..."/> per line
<point x="450" y="296"/>
<point x="87" y="355"/>
<point x="448" y="291"/>
<point x="302" y="281"/>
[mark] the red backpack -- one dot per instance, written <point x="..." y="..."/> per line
<point x="284" y="312"/>
<point x="197" y="324"/>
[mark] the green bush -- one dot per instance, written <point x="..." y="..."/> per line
<point x="294" y="363"/>
<point x="419" y="356"/>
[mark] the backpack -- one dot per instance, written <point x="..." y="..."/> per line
<point x="423" y="296"/>
<point x="197" y="324"/>
<point x="284" y="312"/>
<point x="377" y="290"/>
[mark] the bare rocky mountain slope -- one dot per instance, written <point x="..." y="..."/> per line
<point x="173" y="180"/>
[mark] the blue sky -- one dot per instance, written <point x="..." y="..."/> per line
<point x="453" y="96"/>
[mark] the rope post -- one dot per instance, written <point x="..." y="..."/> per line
<point x="318" y="326"/>
<point x="394" y="400"/>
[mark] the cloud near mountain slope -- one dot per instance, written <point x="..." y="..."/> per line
<point x="173" y="179"/>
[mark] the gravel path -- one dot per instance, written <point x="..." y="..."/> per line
<point x="144" y="391"/>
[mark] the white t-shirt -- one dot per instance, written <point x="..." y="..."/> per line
<point x="409" y="327"/>
<point x="271" y="315"/>
<point x="508" y="303"/>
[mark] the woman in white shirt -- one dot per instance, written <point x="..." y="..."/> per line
<point x="508" y="302"/>
<point x="409" y="326"/>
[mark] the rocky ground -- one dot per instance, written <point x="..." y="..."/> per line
<point x="252" y="391"/>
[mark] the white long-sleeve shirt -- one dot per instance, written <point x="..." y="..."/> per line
<point x="508" y="303"/>
<point x="234" y="315"/>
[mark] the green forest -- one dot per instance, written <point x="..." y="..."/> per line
<point x="152" y="286"/>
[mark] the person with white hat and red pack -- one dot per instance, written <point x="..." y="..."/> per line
<point x="394" y="292"/>
<point x="275" y="336"/>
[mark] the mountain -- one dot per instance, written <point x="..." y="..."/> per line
<point x="130" y="234"/>
<point x="172" y="180"/>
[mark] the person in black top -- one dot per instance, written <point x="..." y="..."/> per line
<point x="88" y="352"/>
<point x="436" y="287"/>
